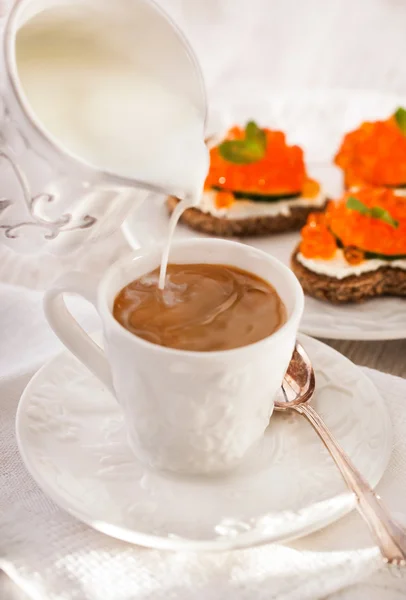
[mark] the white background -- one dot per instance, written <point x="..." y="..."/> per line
<point x="287" y="44"/>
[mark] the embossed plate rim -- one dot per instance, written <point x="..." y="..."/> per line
<point x="296" y="524"/>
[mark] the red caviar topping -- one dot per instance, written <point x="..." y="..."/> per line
<point x="370" y="234"/>
<point x="317" y="240"/>
<point x="311" y="188"/>
<point x="374" y="154"/>
<point x="281" y="170"/>
<point x="353" y="255"/>
<point x="356" y="230"/>
<point x="224" y="199"/>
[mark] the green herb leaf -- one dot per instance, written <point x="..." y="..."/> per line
<point x="376" y="212"/>
<point x="253" y="133"/>
<point x="251" y="149"/>
<point x="238" y="152"/>
<point x="400" y="118"/>
<point x="355" y="204"/>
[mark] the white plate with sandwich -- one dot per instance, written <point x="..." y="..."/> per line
<point x="268" y="208"/>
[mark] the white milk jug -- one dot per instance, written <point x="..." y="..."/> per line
<point x="102" y="98"/>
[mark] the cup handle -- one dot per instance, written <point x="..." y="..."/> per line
<point x="68" y="330"/>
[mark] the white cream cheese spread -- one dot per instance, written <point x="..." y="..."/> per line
<point x="339" y="268"/>
<point x="242" y="209"/>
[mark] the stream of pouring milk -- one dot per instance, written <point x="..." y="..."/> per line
<point x="86" y="87"/>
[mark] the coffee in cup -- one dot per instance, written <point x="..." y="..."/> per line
<point x="203" y="307"/>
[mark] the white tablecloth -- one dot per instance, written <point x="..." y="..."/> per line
<point x="52" y="556"/>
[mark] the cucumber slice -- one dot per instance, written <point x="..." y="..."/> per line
<point x="254" y="197"/>
<point x="385" y="256"/>
<point x="368" y="255"/>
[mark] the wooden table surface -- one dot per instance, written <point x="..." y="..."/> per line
<point x="386" y="356"/>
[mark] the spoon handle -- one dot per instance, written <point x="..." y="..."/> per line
<point x="390" y="538"/>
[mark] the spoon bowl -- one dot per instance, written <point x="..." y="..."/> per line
<point x="299" y="382"/>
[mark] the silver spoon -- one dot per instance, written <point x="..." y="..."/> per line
<point x="298" y="387"/>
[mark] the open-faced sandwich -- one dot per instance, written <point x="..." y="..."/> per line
<point x="356" y="249"/>
<point x="257" y="184"/>
<point x="375" y="153"/>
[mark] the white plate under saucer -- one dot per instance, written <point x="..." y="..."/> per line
<point x="71" y="437"/>
<point x="317" y="120"/>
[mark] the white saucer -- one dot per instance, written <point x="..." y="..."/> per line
<point x="72" y="440"/>
<point x="317" y="121"/>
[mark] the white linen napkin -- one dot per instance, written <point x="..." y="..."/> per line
<point x="52" y="556"/>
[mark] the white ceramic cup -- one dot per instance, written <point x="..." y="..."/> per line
<point x="185" y="411"/>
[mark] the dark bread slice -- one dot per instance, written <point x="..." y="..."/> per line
<point x="385" y="281"/>
<point x="251" y="226"/>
